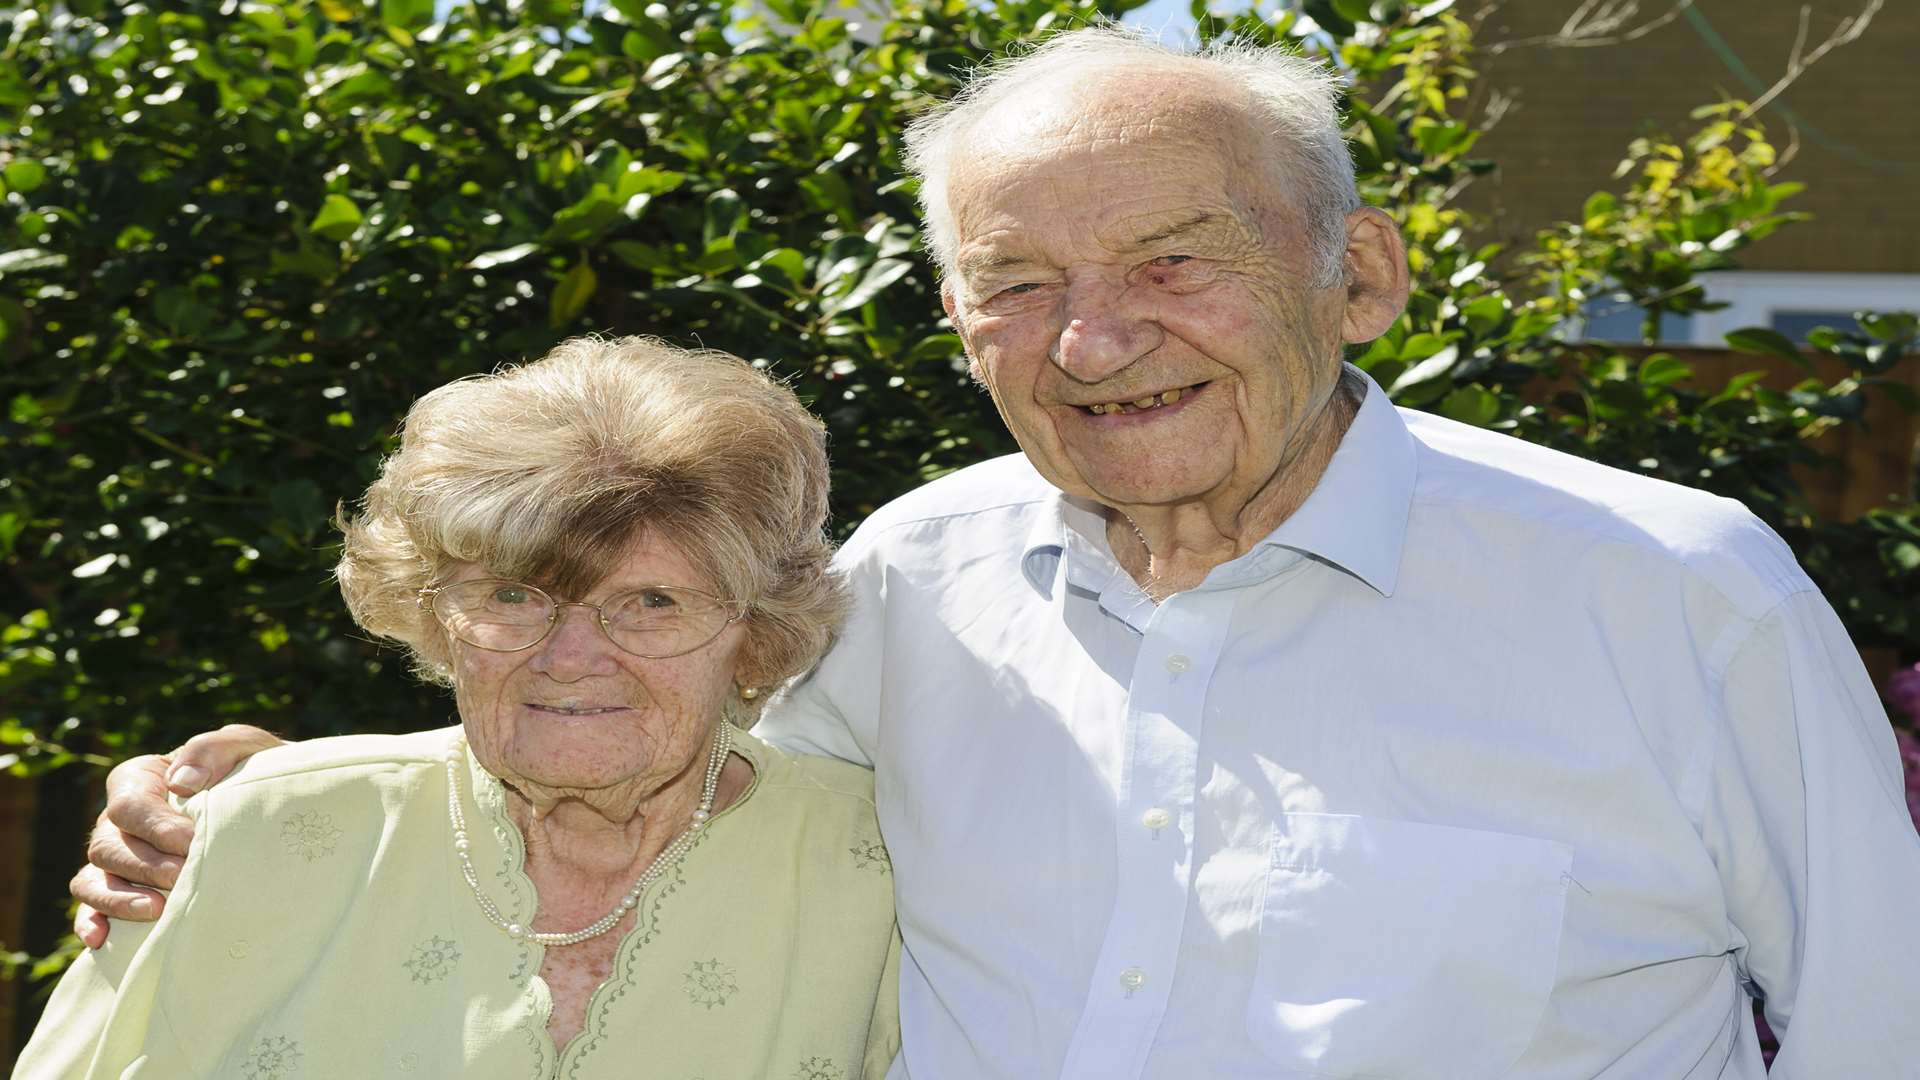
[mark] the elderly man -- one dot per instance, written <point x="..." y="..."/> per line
<point x="1244" y="725"/>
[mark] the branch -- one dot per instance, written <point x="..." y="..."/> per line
<point x="1598" y="23"/>
<point x="1848" y="32"/>
<point x="1786" y="156"/>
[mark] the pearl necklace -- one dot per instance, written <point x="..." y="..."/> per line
<point x="716" y="759"/>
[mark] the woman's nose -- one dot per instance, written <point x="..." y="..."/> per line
<point x="576" y="646"/>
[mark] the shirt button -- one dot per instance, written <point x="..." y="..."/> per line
<point x="1156" y="819"/>
<point x="1133" y="979"/>
<point x="1178" y="662"/>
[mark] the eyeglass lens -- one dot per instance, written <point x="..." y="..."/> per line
<point x="656" y="621"/>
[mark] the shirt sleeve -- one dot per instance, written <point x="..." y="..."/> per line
<point x="76" y="1016"/>
<point x="834" y="709"/>
<point x="1808" y="825"/>
<point x="102" y="1012"/>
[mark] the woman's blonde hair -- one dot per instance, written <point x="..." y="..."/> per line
<point x="548" y="472"/>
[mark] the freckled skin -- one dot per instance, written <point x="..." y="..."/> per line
<point x="597" y="798"/>
<point x="1133" y="235"/>
<point x="613" y="763"/>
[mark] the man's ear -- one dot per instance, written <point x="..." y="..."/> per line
<point x="1376" y="275"/>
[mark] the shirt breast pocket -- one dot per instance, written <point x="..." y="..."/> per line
<point x="1396" y="949"/>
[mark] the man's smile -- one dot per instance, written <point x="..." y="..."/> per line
<point x="1145" y="403"/>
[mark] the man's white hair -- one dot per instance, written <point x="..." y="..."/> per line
<point x="1294" y="97"/>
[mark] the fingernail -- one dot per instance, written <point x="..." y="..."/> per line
<point x="187" y="776"/>
<point x="142" y="905"/>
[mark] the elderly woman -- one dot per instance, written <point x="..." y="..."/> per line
<point x="606" y="554"/>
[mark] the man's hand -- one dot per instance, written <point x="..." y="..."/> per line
<point x="140" y="842"/>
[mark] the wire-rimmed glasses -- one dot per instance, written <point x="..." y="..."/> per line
<point x="655" y="622"/>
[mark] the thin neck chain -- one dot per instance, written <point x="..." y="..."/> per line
<point x="673" y="853"/>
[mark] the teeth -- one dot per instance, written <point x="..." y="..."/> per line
<point x="1149" y="402"/>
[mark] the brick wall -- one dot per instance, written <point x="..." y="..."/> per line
<point x="1575" y="110"/>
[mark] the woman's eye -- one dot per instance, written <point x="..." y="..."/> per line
<point x="510" y="594"/>
<point x="653" y="598"/>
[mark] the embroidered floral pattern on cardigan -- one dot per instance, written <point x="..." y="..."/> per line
<point x="432" y="959"/>
<point x="710" y="983"/>
<point x="309" y="835"/>
<point x="819" y="1068"/>
<point x="872" y="855"/>
<point x="273" y="1058"/>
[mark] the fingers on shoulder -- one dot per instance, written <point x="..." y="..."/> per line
<point x="108" y="895"/>
<point x="208" y="757"/>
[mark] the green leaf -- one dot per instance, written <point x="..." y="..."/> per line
<point x="935" y="347"/>
<point x="878" y="276"/>
<point x="25" y="175"/>
<point x="725" y="214"/>
<point x="1471" y="405"/>
<point x="1735" y="387"/>
<point x="303" y="262"/>
<point x="1484" y="315"/>
<point x="23" y="259"/>
<point x="571" y="295"/>
<point x="1469" y="272"/>
<point x="300" y="504"/>
<point x="15" y="329"/>
<point x="646" y="180"/>
<point x="337" y="219"/>
<point x="1354" y="11"/>
<point x="786" y="263"/>
<point x="406" y="14"/>
<point x="1426" y="371"/>
<point x="1600" y="205"/>
<point x="501" y="257"/>
<point x="1762" y="341"/>
<point x="644" y="256"/>
<point x="181" y="312"/>
<point x="585" y="220"/>
<point x="1904" y="554"/>
<point x="1420" y="346"/>
<point x="1663" y="369"/>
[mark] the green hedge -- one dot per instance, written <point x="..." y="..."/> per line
<point x="237" y="239"/>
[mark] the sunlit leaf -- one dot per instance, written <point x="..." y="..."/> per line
<point x="571" y="295"/>
<point x="337" y="219"/>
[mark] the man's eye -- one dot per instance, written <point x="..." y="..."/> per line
<point x="1172" y="260"/>
<point x="1020" y="289"/>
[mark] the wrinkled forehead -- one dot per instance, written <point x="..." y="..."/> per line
<point x="1146" y="143"/>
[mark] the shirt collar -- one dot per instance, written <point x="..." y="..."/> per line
<point x="1356" y="516"/>
<point x="1355" y="519"/>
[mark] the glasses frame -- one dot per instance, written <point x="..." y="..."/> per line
<point x="736" y="610"/>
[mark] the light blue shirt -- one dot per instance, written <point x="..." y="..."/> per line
<point x="1488" y="762"/>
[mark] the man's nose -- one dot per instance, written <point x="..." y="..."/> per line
<point x="576" y="647"/>
<point x="1102" y="331"/>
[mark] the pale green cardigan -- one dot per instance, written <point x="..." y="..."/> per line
<point x="321" y="929"/>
